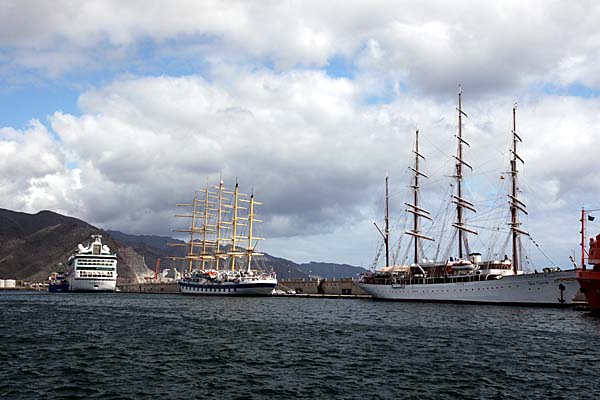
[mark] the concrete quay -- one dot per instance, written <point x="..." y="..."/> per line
<point x="323" y="288"/>
<point x="151" y="288"/>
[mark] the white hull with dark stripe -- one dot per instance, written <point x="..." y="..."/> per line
<point x="254" y="287"/>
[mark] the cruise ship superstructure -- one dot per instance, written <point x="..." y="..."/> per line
<point x="466" y="277"/>
<point x="93" y="268"/>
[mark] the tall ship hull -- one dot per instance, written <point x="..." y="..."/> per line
<point x="93" y="268"/>
<point x="554" y="289"/>
<point x="259" y="287"/>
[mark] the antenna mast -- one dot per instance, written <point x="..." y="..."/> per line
<point x="458" y="199"/>
<point x="414" y="208"/>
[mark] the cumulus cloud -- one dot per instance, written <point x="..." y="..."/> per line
<point x="314" y="153"/>
<point x="428" y="47"/>
<point x="297" y="138"/>
<point x="33" y="171"/>
<point x="314" y="148"/>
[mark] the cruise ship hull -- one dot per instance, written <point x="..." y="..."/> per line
<point x="261" y="287"/>
<point x="553" y="289"/>
<point x="93" y="285"/>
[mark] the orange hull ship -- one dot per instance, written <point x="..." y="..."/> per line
<point x="589" y="279"/>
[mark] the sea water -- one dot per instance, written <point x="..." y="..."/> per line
<point x="142" y="346"/>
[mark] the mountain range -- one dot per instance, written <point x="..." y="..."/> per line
<point x="34" y="245"/>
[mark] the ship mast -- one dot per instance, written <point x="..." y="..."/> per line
<point x="582" y="239"/>
<point x="414" y="208"/>
<point x="250" y="250"/>
<point x="190" y="256"/>
<point x="461" y="203"/>
<point x="213" y="236"/>
<point x="234" y="221"/>
<point x="206" y="227"/>
<point x="516" y="204"/>
<point x="387" y="222"/>
<point x="386" y="232"/>
<point x="219" y="222"/>
<point x="193" y="232"/>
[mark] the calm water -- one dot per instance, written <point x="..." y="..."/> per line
<point x="128" y="346"/>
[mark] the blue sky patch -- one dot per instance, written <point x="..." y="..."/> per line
<point x="574" y="89"/>
<point x="340" y="67"/>
<point x="21" y="105"/>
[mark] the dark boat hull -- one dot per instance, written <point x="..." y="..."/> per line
<point x="58" y="287"/>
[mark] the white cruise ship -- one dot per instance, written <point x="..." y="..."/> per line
<point x="466" y="278"/>
<point x="93" y="268"/>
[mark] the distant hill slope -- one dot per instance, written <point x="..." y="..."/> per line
<point x="153" y="247"/>
<point x="152" y="241"/>
<point x="331" y="270"/>
<point x="158" y="246"/>
<point x="32" y="245"/>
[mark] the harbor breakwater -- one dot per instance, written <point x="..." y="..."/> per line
<point x="310" y="287"/>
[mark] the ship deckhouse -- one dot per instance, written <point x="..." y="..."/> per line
<point x="93" y="267"/>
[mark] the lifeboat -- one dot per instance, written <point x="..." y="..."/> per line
<point x="212" y="274"/>
<point x="459" y="266"/>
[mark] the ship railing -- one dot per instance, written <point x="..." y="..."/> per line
<point x="439" y="280"/>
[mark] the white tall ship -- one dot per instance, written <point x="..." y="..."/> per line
<point x="93" y="268"/>
<point x="221" y="250"/>
<point x="466" y="278"/>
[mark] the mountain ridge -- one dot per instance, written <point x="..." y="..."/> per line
<point x="32" y="246"/>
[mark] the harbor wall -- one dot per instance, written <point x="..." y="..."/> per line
<point x="170" y="287"/>
<point x="322" y="286"/>
<point x="345" y="287"/>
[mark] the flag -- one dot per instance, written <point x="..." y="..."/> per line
<point x="590" y="218"/>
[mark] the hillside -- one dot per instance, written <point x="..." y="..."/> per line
<point x="152" y="247"/>
<point x="32" y="246"/>
<point x="331" y="270"/>
<point x="158" y="246"/>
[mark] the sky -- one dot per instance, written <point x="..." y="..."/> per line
<point x="114" y="111"/>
